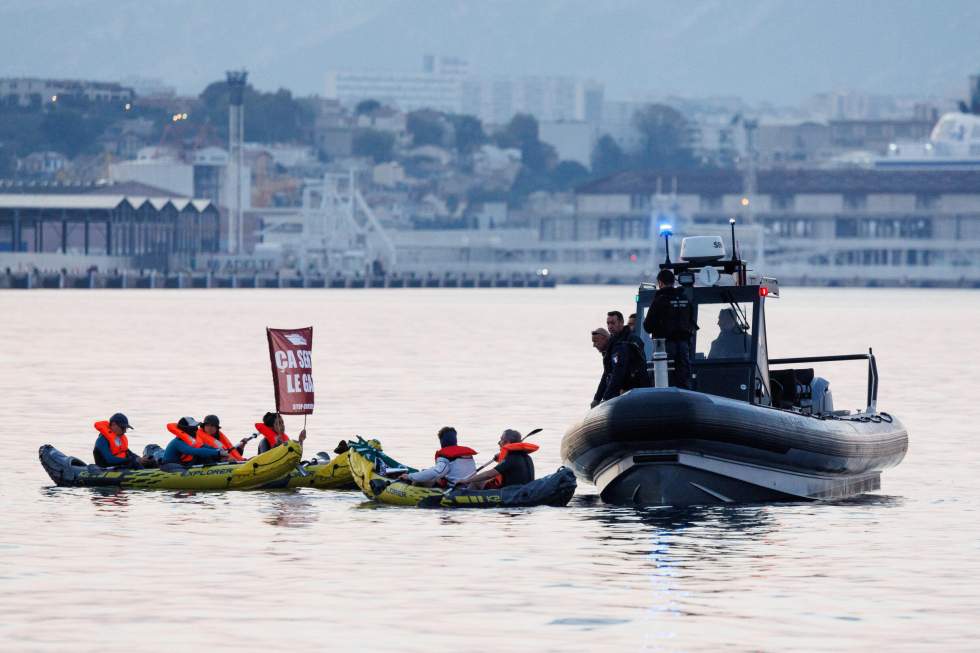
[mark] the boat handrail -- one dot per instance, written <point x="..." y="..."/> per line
<point x="872" y="370"/>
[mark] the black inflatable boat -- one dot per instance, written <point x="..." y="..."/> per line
<point x="749" y="430"/>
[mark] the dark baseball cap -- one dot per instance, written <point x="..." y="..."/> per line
<point x="211" y="420"/>
<point x="187" y="423"/>
<point x="121" y="420"/>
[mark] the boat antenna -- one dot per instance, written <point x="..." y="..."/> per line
<point x="731" y="222"/>
<point x="665" y="231"/>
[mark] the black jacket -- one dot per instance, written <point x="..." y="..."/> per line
<point x="626" y="367"/>
<point x="671" y="315"/>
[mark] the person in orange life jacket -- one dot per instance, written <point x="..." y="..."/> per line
<point x="112" y="445"/>
<point x="187" y="448"/>
<point x="273" y="432"/>
<point x="453" y="463"/>
<point x="210" y="434"/>
<point x="514" y="466"/>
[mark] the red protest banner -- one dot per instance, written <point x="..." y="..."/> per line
<point x="291" y="354"/>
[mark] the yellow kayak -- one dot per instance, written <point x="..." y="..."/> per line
<point x="368" y="467"/>
<point x="364" y="463"/>
<point x="265" y="468"/>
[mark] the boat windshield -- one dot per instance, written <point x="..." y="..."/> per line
<point x="724" y="331"/>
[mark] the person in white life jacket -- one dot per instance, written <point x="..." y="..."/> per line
<point x="453" y="463"/>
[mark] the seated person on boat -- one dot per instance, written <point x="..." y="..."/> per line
<point x="514" y="465"/>
<point x="273" y="432"/>
<point x="187" y="448"/>
<point x="732" y="341"/>
<point x="453" y="463"/>
<point x="112" y="445"/>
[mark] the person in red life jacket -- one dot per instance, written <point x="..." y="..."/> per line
<point x="209" y="432"/>
<point x="453" y="463"/>
<point x="273" y="432"/>
<point x="112" y="446"/>
<point x="514" y="465"/>
<point x="188" y="448"/>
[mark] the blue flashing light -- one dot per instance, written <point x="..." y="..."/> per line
<point x="666" y="229"/>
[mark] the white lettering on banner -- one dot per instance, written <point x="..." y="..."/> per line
<point x="281" y="360"/>
<point x="292" y="359"/>
<point x="307" y="383"/>
<point x="293" y="383"/>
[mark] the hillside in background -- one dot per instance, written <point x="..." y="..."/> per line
<point x="762" y="51"/>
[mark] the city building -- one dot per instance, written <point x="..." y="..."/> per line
<point x="446" y="84"/>
<point x="76" y="231"/>
<point x="877" y="135"/>
<point x="816" y="226"/>
<point x="33" y="91"/>
<point x="437" y="86"/>
<point x="547" y="98"/>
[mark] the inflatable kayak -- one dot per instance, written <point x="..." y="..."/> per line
<point x="254" y="473"/>
<point x="324" y="473"/>
<point x="369" y="469"/>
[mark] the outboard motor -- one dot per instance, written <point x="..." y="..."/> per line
<point x="823" y="398"/>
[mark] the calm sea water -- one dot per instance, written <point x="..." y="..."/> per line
<point x="83" y="569"/>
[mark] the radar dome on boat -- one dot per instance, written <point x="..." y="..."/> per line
<point x="702" y="249"/>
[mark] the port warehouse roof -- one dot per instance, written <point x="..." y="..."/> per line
<point x="95" y="197"/>
<point x="99" y="202"/>
<point x="787" y="182"/>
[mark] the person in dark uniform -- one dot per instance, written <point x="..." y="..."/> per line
<point x="620" y="330"/>
<point x="671" y="317"/>
<point x="625" y="358"/>
<point x="600" y="340"/>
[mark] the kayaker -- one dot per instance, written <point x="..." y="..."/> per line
<point x="112" y="445"/>
<point x="514" y="465"/>
<point x="187" y="448"/>
<point x="273" y="432"/>
<point x="453" y="463"/>
<point x="671" y="317"/>
<point x="210" y="434"/>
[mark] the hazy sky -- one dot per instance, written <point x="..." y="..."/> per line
<point x="781" y="51"/>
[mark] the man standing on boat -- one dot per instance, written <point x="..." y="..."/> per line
<point x="671" y="317"/>
<point x="626" y="359"/>
<point x="600" y="340"/>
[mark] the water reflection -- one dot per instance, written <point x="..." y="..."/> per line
<point x="291" y="510"/>
<point x="109" y="499"/>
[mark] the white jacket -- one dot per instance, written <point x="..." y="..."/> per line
<point x="451" y="470"/>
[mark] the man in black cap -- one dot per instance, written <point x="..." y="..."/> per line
<point x="671" y="317"/>
<point x="112" y="446"/>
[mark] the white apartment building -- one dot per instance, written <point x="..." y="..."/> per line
<point x="446" y="84"/>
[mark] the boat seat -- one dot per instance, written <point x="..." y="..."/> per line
<point x="792" y="388"/>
